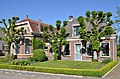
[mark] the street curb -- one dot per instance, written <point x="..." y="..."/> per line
<point x="110" y="70"/>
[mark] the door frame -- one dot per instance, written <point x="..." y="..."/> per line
<point x="79" y="43"/>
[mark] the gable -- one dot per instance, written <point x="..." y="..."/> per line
<point x="24" y="25"/>
<point x="32" y="26"/>
<point x="71" y="24"/>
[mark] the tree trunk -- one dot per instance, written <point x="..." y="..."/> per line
<point x="95" y="55"/>
<point x="59" y="53"/>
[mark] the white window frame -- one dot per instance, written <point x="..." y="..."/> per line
<point x="26" y="52"/>
<point x="73" y="29"/>
<point x="102" y="52"/>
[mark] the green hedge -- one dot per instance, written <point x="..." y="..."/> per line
<point x="83" y="72"/>
<point x="107" y="67"/>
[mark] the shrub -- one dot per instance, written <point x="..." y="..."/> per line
<point x="21" y="63"/>
<point x="30" y="59"/>
<point x="6" y="60"/>
<point x="39" y="55"/>
<point x="94" y="60"/>
<point x="2" y="60"/>
<point x="107" y="60"/>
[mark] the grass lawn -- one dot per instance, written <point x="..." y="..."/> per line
<point x="68" y="64"/>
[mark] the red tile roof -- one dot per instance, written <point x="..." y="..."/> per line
<point x="35" y="25"/>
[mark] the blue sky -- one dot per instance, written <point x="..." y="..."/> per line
<point x="51" y="10"/>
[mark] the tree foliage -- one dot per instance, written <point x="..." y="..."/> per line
<point x="95" y="19"/>
<point x="38" y="44"/>
<point x="56" y="37"/>
<point x="10" y="31"/>
<point x="116" y="25"/>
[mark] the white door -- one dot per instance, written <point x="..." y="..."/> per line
<point x="78" y="53"/>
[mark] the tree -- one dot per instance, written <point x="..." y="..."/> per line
<point x="116" y="25"/>
<point x="56" y="38"/>
<point x="94" y="36"/>
<point x="11" y="34"/>
<point x="38" y="44"/>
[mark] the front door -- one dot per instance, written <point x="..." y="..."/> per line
<point x="78" y="53"/>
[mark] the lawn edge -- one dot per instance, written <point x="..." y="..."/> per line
<point x="78" y="72"/>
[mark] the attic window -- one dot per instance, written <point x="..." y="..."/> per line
<point x="76" y="28"/>
<point x="4" y="47"/>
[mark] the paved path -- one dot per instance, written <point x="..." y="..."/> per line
<point x="15" y="74"/>
<point x="114" y="74"/>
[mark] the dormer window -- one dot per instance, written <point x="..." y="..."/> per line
<point x="76" y="28"/>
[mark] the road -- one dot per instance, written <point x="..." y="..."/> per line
<point x="16" y="74"/>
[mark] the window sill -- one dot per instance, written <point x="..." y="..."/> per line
<point x="27" y="54"/>
<point x="88" y="56"/>
<point x="67" y="55"/>
<point x="105" y="56"/>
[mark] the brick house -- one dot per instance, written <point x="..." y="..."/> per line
<point x="75" y="49"/>
<point x="2" y="44"/>
<point x="32" y="29"/>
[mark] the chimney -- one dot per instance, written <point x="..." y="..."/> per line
<point x="70" y="18"/>
<point x="27" y="16"/>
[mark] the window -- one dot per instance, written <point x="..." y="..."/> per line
<point x="27" y="46"/>
<point x="4" y="47"/>
<point x="76" y="28"/>
<point x="105" y="49"/>
<point x="89" y="49"/>
<point x="18" y="47"/>
<point x="67" y="51"/>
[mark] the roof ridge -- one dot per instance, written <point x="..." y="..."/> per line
<point x="32" y="21"/>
